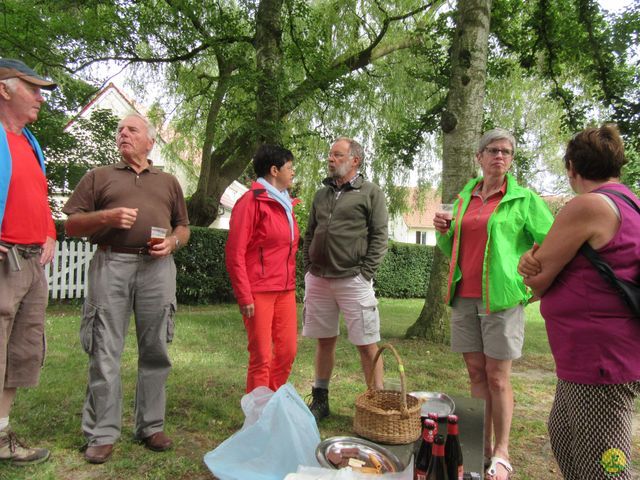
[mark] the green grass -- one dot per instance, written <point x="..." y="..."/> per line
<point x="207" y="381"/>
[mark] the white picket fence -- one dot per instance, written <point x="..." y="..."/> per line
<point x="67" y="274"/>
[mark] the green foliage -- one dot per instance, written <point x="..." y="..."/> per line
<point x="404" y="271"/>
<point x="201" y="272"/>
<point x="631" y="171"/>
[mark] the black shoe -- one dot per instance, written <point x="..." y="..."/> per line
<point x="319" y="404"/>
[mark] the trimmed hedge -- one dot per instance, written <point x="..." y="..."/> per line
<point x="201" y="273"/>
<point x="202" y="277"/>
<point x="404" y="271"/>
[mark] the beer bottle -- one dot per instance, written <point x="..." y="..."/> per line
<point x="453" y="450"/>
<point x="429" y="429"/>
<point x="437" y="470"/>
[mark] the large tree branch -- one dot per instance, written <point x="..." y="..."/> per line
<point x="322" y="78"/>
<point x="202" y="30"/>
<point x="215" y="106"/>
<point x="546" y="21"/>
<point x="138" y="59"/>
<point x="587" y="11"/>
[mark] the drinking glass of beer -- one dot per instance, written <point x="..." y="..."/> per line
<point x="446" y="210"/>
<point x="158" y="235"/>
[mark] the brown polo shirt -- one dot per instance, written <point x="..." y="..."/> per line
<point x="157" y="196"/>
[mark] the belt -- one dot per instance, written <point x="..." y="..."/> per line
<point x="130" y="250"/>
<point x="26" y="250"/>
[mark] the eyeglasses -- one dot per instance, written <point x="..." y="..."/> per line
<point x="495" y="151"/>
<point x="338" y="155"/>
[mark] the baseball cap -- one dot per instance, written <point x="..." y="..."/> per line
<point x="10" y="68"/>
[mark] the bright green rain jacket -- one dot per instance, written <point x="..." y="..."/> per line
<point x="520" y="219"/>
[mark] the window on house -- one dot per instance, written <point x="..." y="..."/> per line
<point x="421" y="238"/>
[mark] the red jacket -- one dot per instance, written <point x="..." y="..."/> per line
<point x="260" y="254"/>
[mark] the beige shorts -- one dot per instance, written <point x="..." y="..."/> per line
<point x="499" y="335"/>
<point x="23" y="301"/>
<point x="325" y="298"/>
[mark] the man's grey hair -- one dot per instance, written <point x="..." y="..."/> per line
<point x="355" y="149"/>
<point x="151" y="129"/>
<point x="11" y="83"/>
<point x="497" y="134"/>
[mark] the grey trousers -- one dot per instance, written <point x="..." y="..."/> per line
<point x="119" y="284"/>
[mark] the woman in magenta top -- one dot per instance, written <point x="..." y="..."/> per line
<point x="593" y="334"/>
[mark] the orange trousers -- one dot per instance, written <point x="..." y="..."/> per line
<point x="272" y="334"/>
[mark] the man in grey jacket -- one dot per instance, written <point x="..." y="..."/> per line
<point x="345" y="243"/>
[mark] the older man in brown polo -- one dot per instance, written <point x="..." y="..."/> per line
<point x="116" y="206"/>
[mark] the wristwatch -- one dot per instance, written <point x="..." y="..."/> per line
<point x="177" y="243"/>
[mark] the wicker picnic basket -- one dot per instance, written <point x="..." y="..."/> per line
<point x="387" y="416"/>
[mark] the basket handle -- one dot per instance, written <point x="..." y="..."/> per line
<point x="403" y="387"/>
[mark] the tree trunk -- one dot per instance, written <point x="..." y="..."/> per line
<point x="227" y="162"/>
<point x="269" y="63"/>
<point x="461" y="126"/>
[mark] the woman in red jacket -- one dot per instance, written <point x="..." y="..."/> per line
<point x="261" y="261"/>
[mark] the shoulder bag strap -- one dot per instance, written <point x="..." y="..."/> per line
<point x="622" y="196"/>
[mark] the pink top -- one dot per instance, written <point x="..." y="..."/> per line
<point x="593" y="336"/>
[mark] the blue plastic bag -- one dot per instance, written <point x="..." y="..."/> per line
<point x="284" y="436"/>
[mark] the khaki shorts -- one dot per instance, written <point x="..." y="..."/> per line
<point x="325" y="298"/>
<point x="499" y="335"/>
<point x="23" y="301"/>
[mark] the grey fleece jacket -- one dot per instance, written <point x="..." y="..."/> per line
<point x="347" y="231"/>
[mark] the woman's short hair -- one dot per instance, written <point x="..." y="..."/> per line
<point x="596" y="153"/>
<point x="268" y="155"/>
<point x="497" y="134"/>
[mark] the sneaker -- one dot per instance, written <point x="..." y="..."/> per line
<point x="319" y="404"/>
<point x="14" y="451"/>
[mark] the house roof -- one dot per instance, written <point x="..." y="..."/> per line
<point x="232" y="193"/>
<point x="422" y="208"/>
<point x="99" y="97"/>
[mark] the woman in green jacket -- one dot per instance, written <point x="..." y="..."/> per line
<point x="494" y="222"/>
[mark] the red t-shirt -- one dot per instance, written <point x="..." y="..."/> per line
<point x="27" y="216"/>
<point x="473" y="241"/>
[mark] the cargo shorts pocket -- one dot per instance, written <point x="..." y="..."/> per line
<point x="89" y="314"/>
<point x="170" y="314"/>
<point x="370" y="317"/>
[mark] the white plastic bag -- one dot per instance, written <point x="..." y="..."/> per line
<point x="280" y="435"/>
<point x="253" y="403"/>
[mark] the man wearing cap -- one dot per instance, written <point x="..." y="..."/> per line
<point x="116" y="206"/>
<point x="27" y="241"/>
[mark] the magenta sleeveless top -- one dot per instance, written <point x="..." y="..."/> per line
<point x="593" y="336"/>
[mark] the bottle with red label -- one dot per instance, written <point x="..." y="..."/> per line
<point x="453" y="450"/>
<point x="429" y="430"/>
<point x="437" y="469"/>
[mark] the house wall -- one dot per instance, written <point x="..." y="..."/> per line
<point x="400" y="232"/>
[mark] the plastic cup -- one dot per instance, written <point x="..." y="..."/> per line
<point x="446" y="209"/>
<point x="158" y="234"/>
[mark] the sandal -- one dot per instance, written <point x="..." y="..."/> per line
<point x="492" y="471"/>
